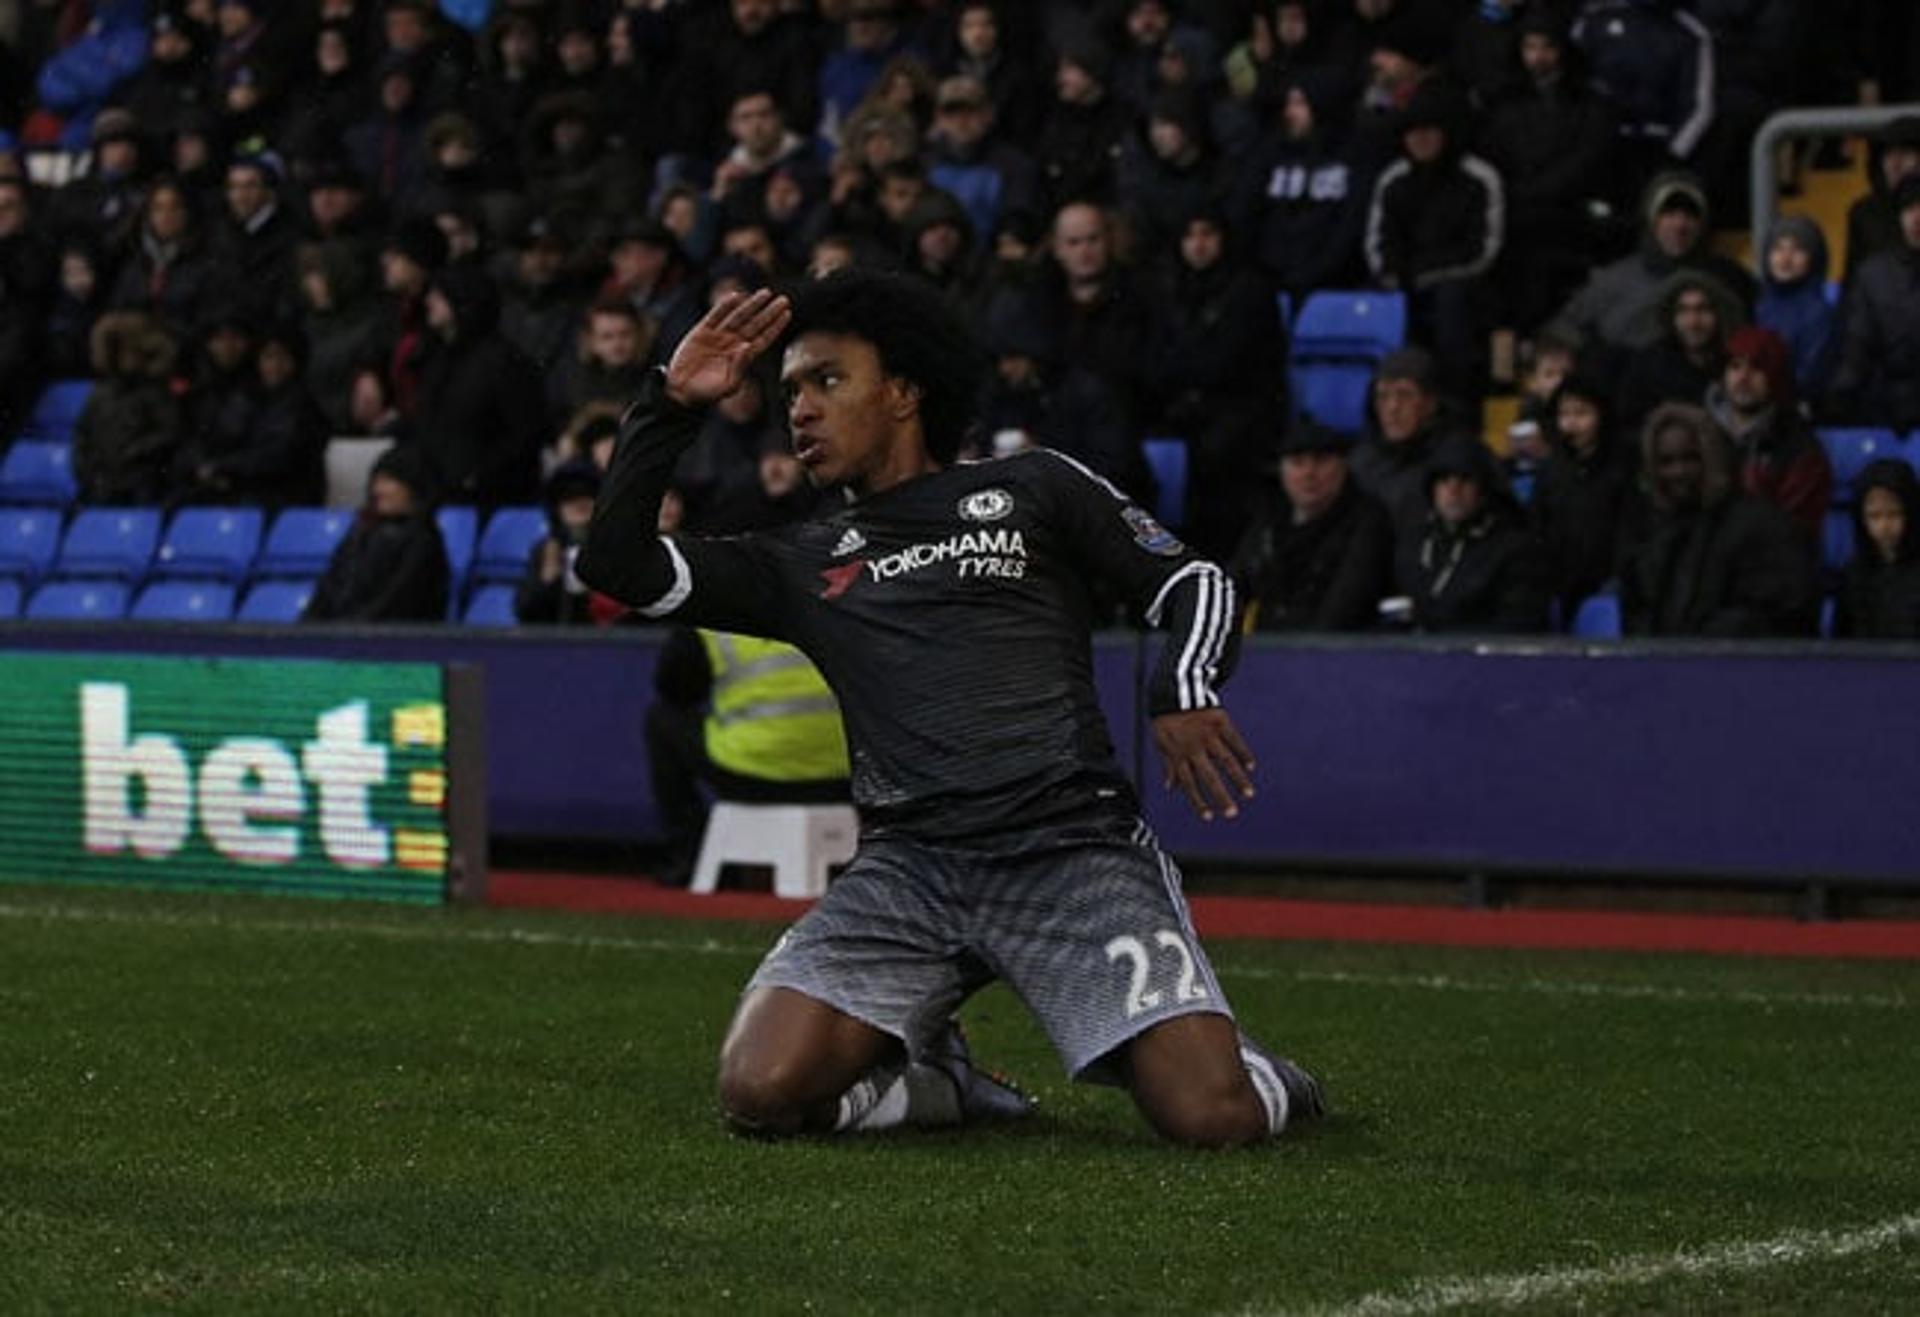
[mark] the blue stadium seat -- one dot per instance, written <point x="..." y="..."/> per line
<point x="507" y="543"/>
<point x="29" y="541"/>
<point x="110" y="542"/>
<point x="1333" y="393"/>
<point x="216" y="543"/>
<point x="37" y="471"/>
<point x="1167" y="459"/>
<point x="275" y="601"/>
<point x="1836" y="540"/>
<point x="1829" y="606"/>
<point x="491" y="605"/>
<point x="12" y="592"/>
<point x="1350" y="324"/>
<point x="184" y="601"/>
<point x="89" y="601"/>
<point x="1598" y="618"/>
<point x="1850" y="450"/>
<point x="459" y="527"/>
<point x="56" y="409"/>
<point x="301" y="541"/>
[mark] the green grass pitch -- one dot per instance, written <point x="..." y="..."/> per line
<point x="229" y="1104"/>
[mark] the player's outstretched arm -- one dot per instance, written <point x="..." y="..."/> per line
<point x="623" y="556"/>
<point x="1206" y="759"/>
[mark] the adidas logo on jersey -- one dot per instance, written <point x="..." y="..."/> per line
<point x="852" y="542"/>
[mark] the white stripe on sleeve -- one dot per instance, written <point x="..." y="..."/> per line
<point x="682" y="584"/>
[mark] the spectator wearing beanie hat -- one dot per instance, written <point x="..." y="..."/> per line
<point x="1585" y="495"/>
<point x="1471" y="564"/>
<point x="1780" y="458"/>
<point x="1319" y="554"/>
<point x="1877" y="380"/>
<point x="549" y="593"/>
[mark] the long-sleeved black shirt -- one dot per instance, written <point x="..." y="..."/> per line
<point x="950" y="614"/>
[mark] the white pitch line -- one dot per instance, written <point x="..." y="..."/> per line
<point x="1580" y="988"/>
<point x="1564" y="1284"/>
<point x="431" y="932"/>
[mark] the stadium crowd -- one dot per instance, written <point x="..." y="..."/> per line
<point x="472" y="226"/>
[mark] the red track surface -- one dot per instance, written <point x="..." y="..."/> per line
<point x="1317" y="921"/>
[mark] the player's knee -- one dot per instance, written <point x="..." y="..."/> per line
<point x="1213" y="1116"/>
<point x="760" y="1099"/>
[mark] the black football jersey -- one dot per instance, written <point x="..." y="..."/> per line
<point x="952" y="616"/>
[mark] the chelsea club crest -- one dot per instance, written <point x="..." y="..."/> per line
<point x="986" y="504"/>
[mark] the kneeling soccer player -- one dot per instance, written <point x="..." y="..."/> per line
<point x="947" y="605"/>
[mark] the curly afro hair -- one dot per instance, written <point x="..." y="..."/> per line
<point x="920" y="338"/>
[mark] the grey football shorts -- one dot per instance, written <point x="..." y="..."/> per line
<point x="1094" y="937"/>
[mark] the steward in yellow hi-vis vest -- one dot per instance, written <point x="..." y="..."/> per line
<point x="770" y="715"/>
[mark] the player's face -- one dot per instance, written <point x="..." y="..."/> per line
<point x="845" y="414"/>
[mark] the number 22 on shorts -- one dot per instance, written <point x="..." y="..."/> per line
<point x="1135" y="953"/>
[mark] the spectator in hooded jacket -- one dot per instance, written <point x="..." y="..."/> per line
<point x="1434" y="230"/>
<point x="1085" y="130"/>
<point x="1585" y="496"/>
<point x="1880" y="594"/>
<point x="125" y="435"/>
<point x="1698" y="316"/>
<point x="1213" y="374"/>
<point x="1301" y="198"/>
<point x="1793" y="299"/>
<point x="1713" y="561"/>
<point x="1551" y="139"/>
<point x="1619" y="304"/>
<point x="1873" y="222"/>
<point x="1472" y="562"/>
<point x="1877" y="378"/>
<point x="1319" y="554"/>
<point x="1779" y="456"/>
<point x="481" y="420"/>
<point x="392" y="564"/>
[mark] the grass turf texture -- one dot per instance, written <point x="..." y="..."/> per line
<point x="224" y="1104"/>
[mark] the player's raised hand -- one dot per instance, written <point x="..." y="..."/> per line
<point x="713" y="358"/>
<point x="1207" y="759"/>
